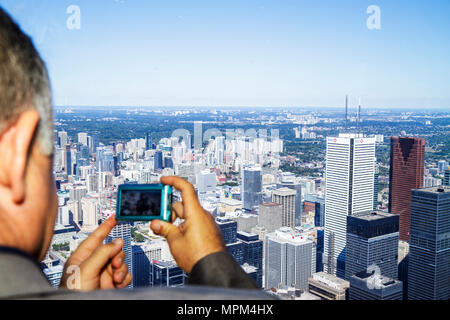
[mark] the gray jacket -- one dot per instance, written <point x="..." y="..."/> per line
<point x="216" y="277"/>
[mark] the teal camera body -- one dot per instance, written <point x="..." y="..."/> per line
<point x="144" y="202"/>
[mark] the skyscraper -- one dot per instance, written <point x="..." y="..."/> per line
<point x="220" y="149"/>
<point x="234" y="246"/>
<point x="447" y="177"/>
<point x="290" y="259"/>
<point x="63" y="139"/>
<point x="253" y="253"/>
<point x="82" y="138"/>
<point x="288" y="180"/>
<point x="148" y="141"/>
<point x="158" y="160"/>
<point x="429" y="245"/>
<point x="375" y="190"/>
<point x="68" y="163"/>
<point x="372" y="240"/>
<point x="406" y="173"/>
<point x="319" y="217"/>
<point x="349" y="192"/>
<point x="206" y="182"/>
<point x="251" y="188"/>
<point x="142" y="257"/>
<point x="442" y="166"/>
<point x="286" y="197"/>
<point x="123" y="231"/>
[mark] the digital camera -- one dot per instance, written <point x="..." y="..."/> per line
<point x="144" y="202"/>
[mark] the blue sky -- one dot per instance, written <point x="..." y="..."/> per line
<point x="243" y="53"/>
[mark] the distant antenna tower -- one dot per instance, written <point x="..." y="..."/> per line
<point x="346" y="113"/>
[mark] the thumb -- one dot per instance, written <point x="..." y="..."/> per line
<point x="101" y="257"/>
<point x="165" y="229"/>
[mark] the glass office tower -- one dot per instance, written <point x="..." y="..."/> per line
<point x="406" y="173"/>
<point x="429" y="245"/>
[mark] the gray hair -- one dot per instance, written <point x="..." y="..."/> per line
<point x="24" y="82"/>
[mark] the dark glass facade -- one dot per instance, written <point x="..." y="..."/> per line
<point x="319" y="216"/>
<point x="148" y="141"/>
<point x="429" y="246"/>
<point x="372" y="240"/>
<point x="166" y="274"/>
<point x="319" y="250"/>
<point x="251" y="189"/>
<point x="228" y="228"/>
<point x="252" y="253"/>
<point x="141" y="267"/>
<point x="365" y="227"/>
<point x="406" y="174"/>
<point x="158" y="160"/>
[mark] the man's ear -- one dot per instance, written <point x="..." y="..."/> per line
<point x="22" y="135"/>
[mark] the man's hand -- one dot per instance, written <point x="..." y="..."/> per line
<point x="98" y="266"/>
<point x="198" y="236"/>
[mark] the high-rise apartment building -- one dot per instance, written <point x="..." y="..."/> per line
<point x="429" y="245"/>
<point x="372" y="240"/>
<point x="251" y="188"/>
<point x="288" y="180"/>
<point x="82" y="138"/>
<point x="350" y="176"/>
<point x="290" y="259"/>
<point x="287" y="198"/>
<point x="406" y="173"/>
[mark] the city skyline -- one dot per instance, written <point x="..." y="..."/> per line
<point x="273" y="218"/>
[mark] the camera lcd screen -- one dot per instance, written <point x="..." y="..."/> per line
<point x="140" y="203"/>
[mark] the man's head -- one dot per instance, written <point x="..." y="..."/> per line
<point x="28" y="203"/>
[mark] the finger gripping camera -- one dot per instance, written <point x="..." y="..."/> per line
<point x="144" y="202"/>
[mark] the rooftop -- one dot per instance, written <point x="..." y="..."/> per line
<point x="435" y="190"/>
<point x="270" y="204"/>
<point x="379" y="281"/>
<point x="285" y="192"/>
<point x="331" y="280"/>
<point x="376" y="215"/>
